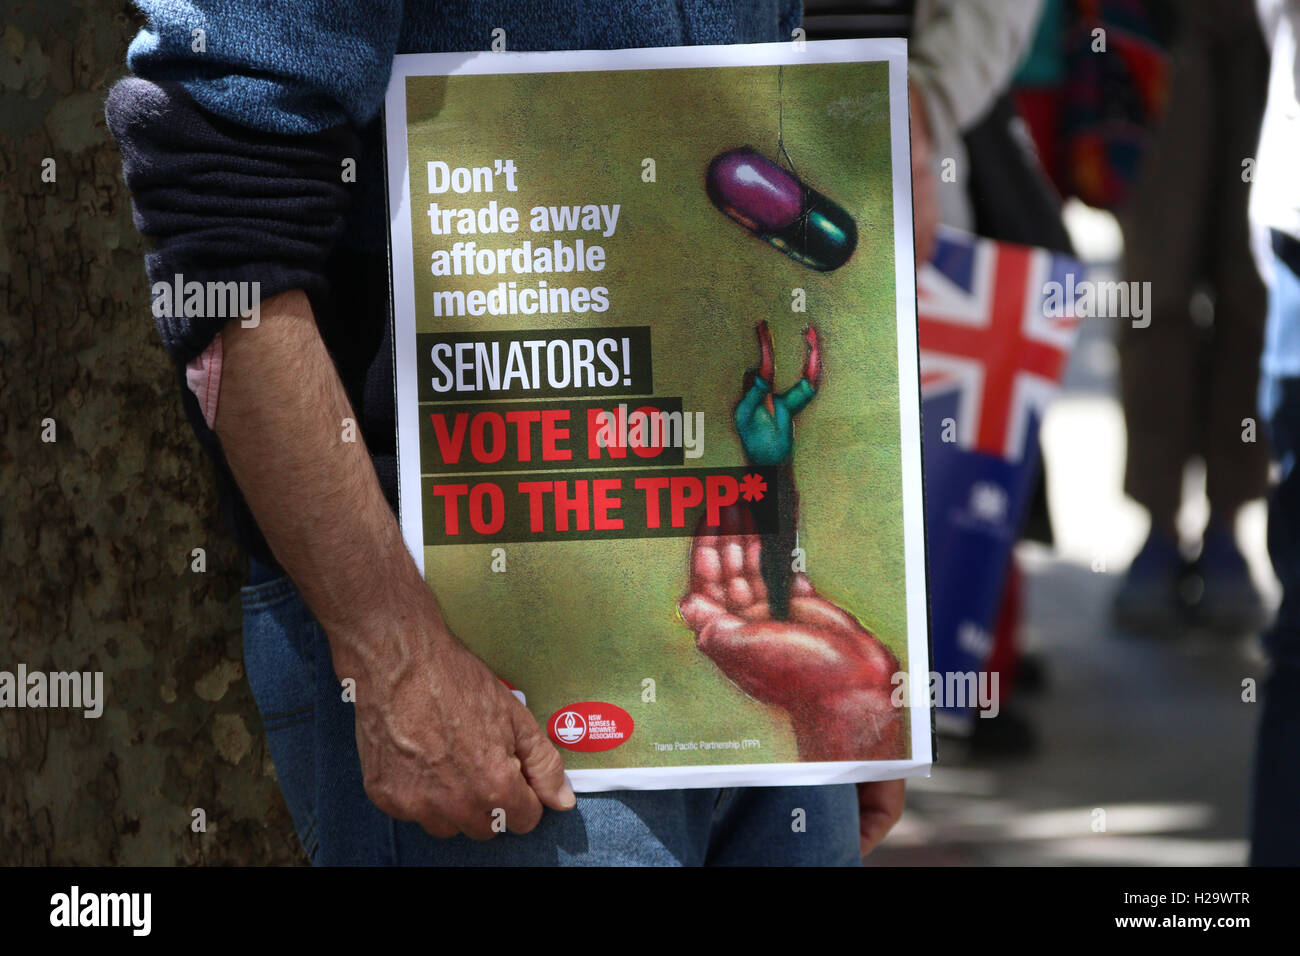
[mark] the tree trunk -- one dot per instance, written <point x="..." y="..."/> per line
<point x="98" y="526"/>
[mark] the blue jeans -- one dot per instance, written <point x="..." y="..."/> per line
<point x="1275" y="826"/>
<point x="311" y="733"/>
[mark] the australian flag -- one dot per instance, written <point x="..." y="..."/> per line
<point x="995" y="337"/>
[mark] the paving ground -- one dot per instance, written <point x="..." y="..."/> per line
<point x="1152" y="732"/>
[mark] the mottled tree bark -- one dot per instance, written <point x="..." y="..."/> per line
<point x="98" y="527"/>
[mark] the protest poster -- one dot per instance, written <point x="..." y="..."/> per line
<point x="658" y="401"/>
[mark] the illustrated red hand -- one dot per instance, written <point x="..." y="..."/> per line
<point x="828" y="672"/>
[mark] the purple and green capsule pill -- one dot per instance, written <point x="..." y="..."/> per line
<point x="767" y="200"/>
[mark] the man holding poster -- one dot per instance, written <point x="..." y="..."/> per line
<point x="546" y="498"/>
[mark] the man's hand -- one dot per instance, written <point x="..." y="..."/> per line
<point x="880" y="804"/>
<point x="441" y="740"/>
<point x="828" y="672"/>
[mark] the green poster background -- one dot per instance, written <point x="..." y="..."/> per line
<point x="574" y="621"/>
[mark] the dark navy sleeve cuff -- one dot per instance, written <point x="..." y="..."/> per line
<point x="225" y="203"/>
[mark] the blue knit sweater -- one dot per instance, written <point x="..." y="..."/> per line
<point x="300" y="66"/>
<point x="240" y="113"/>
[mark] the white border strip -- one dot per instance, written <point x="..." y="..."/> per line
<point x="744" y="775"/>
<point x="909" y="410"/>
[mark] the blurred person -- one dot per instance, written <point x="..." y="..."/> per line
<point x="1039" y="89"/>
<point x="974" y="171"/>
<point x="961" y="58"/>
<point x="1090" y="90"/>
<point x="1186" y="389"/>
<point x="1275" y="219"/>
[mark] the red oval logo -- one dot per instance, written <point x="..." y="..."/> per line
<point x="590" y="726"/>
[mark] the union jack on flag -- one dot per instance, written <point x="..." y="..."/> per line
<point x="987" y="332"/>
<point x="994" y="344"/>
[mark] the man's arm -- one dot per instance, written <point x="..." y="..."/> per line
<point x="232" y="151"/>
<point x="442" y="741"/>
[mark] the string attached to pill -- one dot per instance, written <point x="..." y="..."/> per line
<point x="773" y="202"/>
<point x="781" y="151"/>
<point x="780" y="120"/>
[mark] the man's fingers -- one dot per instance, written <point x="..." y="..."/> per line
<point x="511" y="805"/>
<point x="521" y="809"/>
<point x="436" y="826"/>
<point x="880" y="804"/>
<point x="423" y="810"/>
<point x="541" y="763"/>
